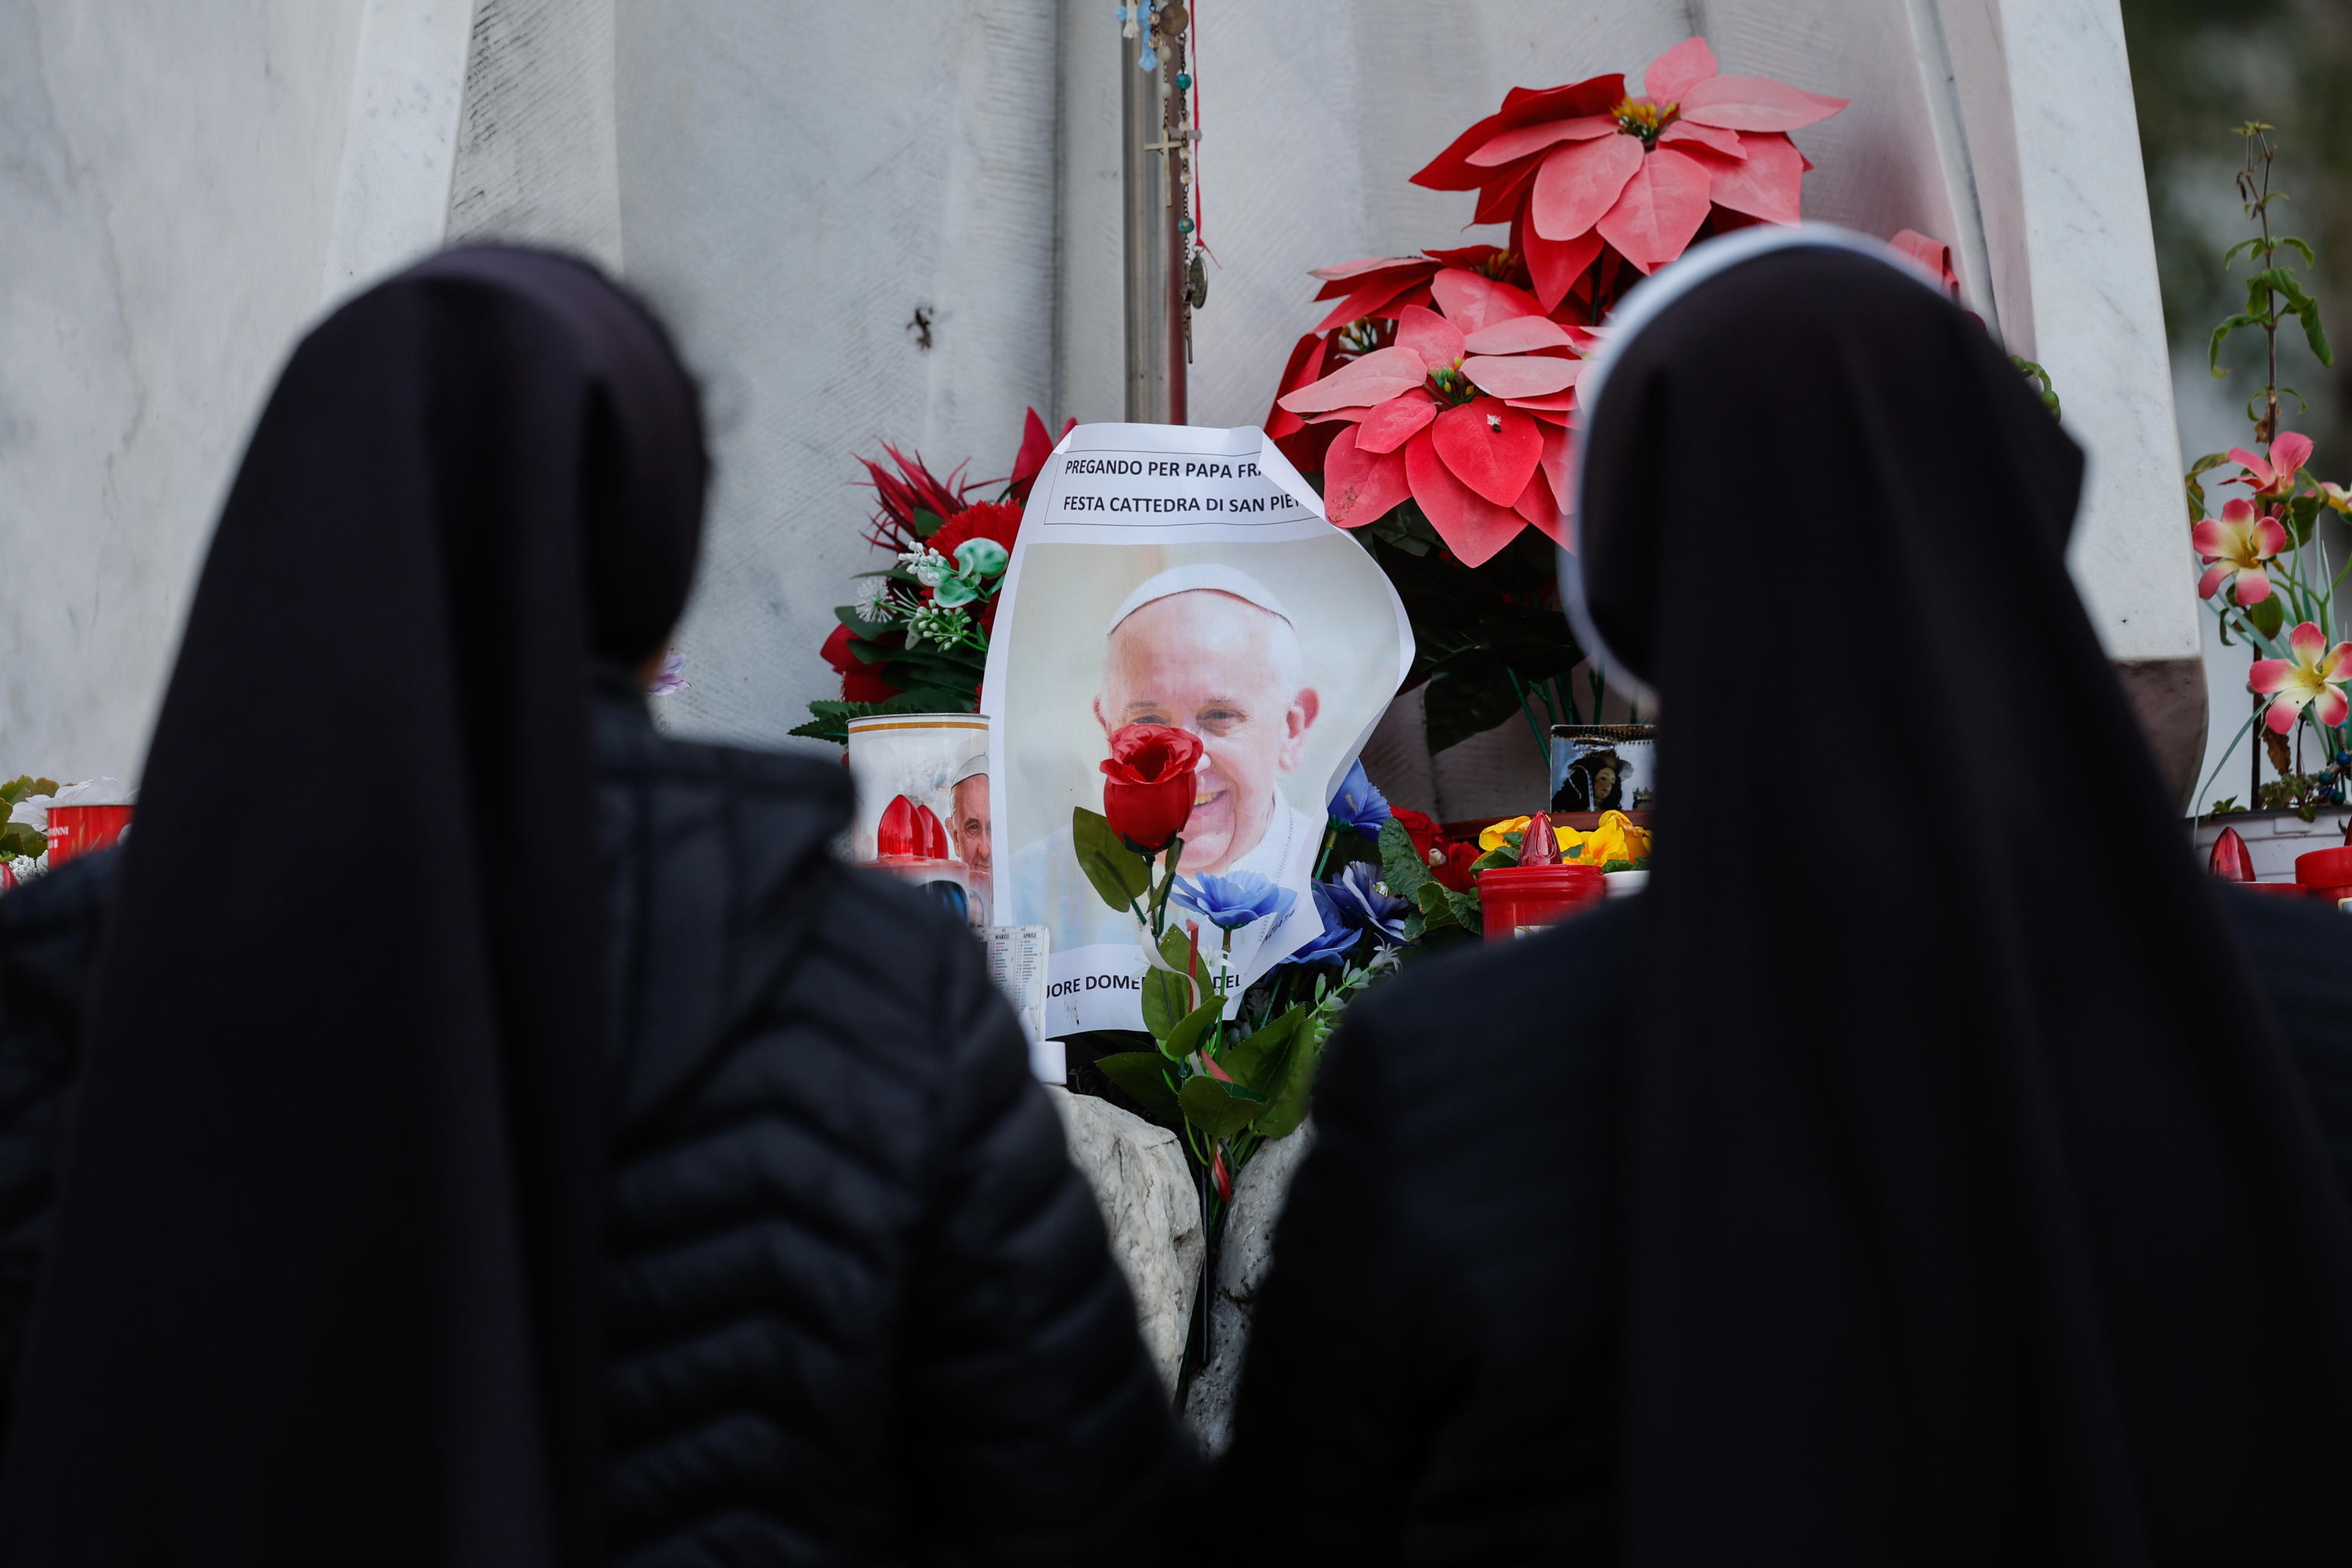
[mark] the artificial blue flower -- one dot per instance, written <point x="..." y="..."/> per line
<point x="1368" y="905"/>
<point x="1337" y="938"/>
<point x="1357" y="805"/>
<point x="1241" y="898"/>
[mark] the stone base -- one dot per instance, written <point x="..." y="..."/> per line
<point x="1153" y="1215"/>
<point x="1244" y="1259"/>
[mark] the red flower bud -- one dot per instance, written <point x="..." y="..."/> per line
<point x="1222" y="1177"/>
<point x="1147" y="783"/>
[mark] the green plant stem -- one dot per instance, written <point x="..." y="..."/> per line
<point x="1543" y="741"/>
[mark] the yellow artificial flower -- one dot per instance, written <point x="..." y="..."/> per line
<point x="1615" y="838"/>
<point x="1493" y="838"/>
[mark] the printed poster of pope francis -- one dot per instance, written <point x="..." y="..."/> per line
<point x="1171" y="575"/>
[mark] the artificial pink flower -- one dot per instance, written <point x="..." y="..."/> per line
<point x="2314" y="678"/>
<point x="2273" y="477"/>
<point x="1465" y="414"/>
<point x="2236" y="544"/>
<point x="1578" y="167"/>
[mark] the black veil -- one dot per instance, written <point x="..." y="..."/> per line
<point x="325" y="1266"/>
<point x="1976" y="1213"/>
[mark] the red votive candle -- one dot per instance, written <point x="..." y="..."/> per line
<point x="79" y="829"/>
<point x="2325" y="874"/>
<point x="1518" y="900"/>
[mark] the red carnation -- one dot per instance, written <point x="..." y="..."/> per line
<point x="1147" y="783"/>
<point x="999" y="520"/>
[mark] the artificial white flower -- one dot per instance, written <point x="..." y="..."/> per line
<point x="943" y="625"/>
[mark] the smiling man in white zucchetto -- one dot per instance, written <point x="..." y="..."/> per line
<point x="1210" y="649"/>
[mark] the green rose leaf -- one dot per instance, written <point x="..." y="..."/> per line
<point x="1192" y="1028"/>
<point x="1219" y="1110"/>
<point x="1258" y="1060"/>
<point x="1118" y="874"/>
<point x="1140" y="1074"/>
<point x="1290" y="1098"/>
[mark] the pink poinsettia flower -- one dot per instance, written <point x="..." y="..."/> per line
<point x="1466" y="414"/>
<point x="1371" y="294"/>
<point x="2314" y="678"/>
<point x="1578" y="167"/>
<point x="2236" y="544"/>
<point x="2273" y="476"/>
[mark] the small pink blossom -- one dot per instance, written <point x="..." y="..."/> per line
<point x="2273" y="477"/>
<point x="2236" y="545"/>
<point x="2314" y="678"/>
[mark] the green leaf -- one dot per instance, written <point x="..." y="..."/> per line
<point x="1402" y="867"/>
<point x="2302" y="513"/>
<point x="1436" y="905"/>
<point x="2268" y="616"/>
<point x="2314" y="334"/>
<point x="1142" y="1075"/>
<point x="1257" y="1060"/>
<point x="1291" y="1098"/>
<point x="927" y="523"/>
<point x="829" y="720"/>
<point x="1219" y="1110"/>
<point x="1167" y="1001"/>
<point x="1501" y="855"/>
<point x="858" y="626"/>
<point x="1118" y="874"/>
<point x="2196" y="490"/>
<point x="1186" y="1036"/>
<point x="2213" y="355"/>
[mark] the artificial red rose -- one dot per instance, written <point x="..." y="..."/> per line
<point x="1147" y="783"/>
<point x="1422" y="829"/>
<point x="860" y="681"/>
<point x="1453" y="871"/>
<point x="1448" y="859"/>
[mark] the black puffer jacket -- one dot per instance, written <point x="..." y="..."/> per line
<point x="861" y="1309"/>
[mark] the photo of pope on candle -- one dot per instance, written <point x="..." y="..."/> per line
<point x="1273" y="656"/>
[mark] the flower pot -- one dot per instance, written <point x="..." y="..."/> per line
<point x="79" y="829"/>
<point x="2273" y="838"/>
<point x="1520" y="899"/>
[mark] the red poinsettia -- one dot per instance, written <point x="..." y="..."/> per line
<point x="1465" y="413"/>
<point x="1583" y="168"/>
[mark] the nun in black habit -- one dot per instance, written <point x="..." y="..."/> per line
<point x="1955" y="1194"/>
<point x="501" y="1135"/>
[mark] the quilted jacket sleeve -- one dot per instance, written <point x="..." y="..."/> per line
<point x="1043" y="1433"/>
<point x="49" y="933"/>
